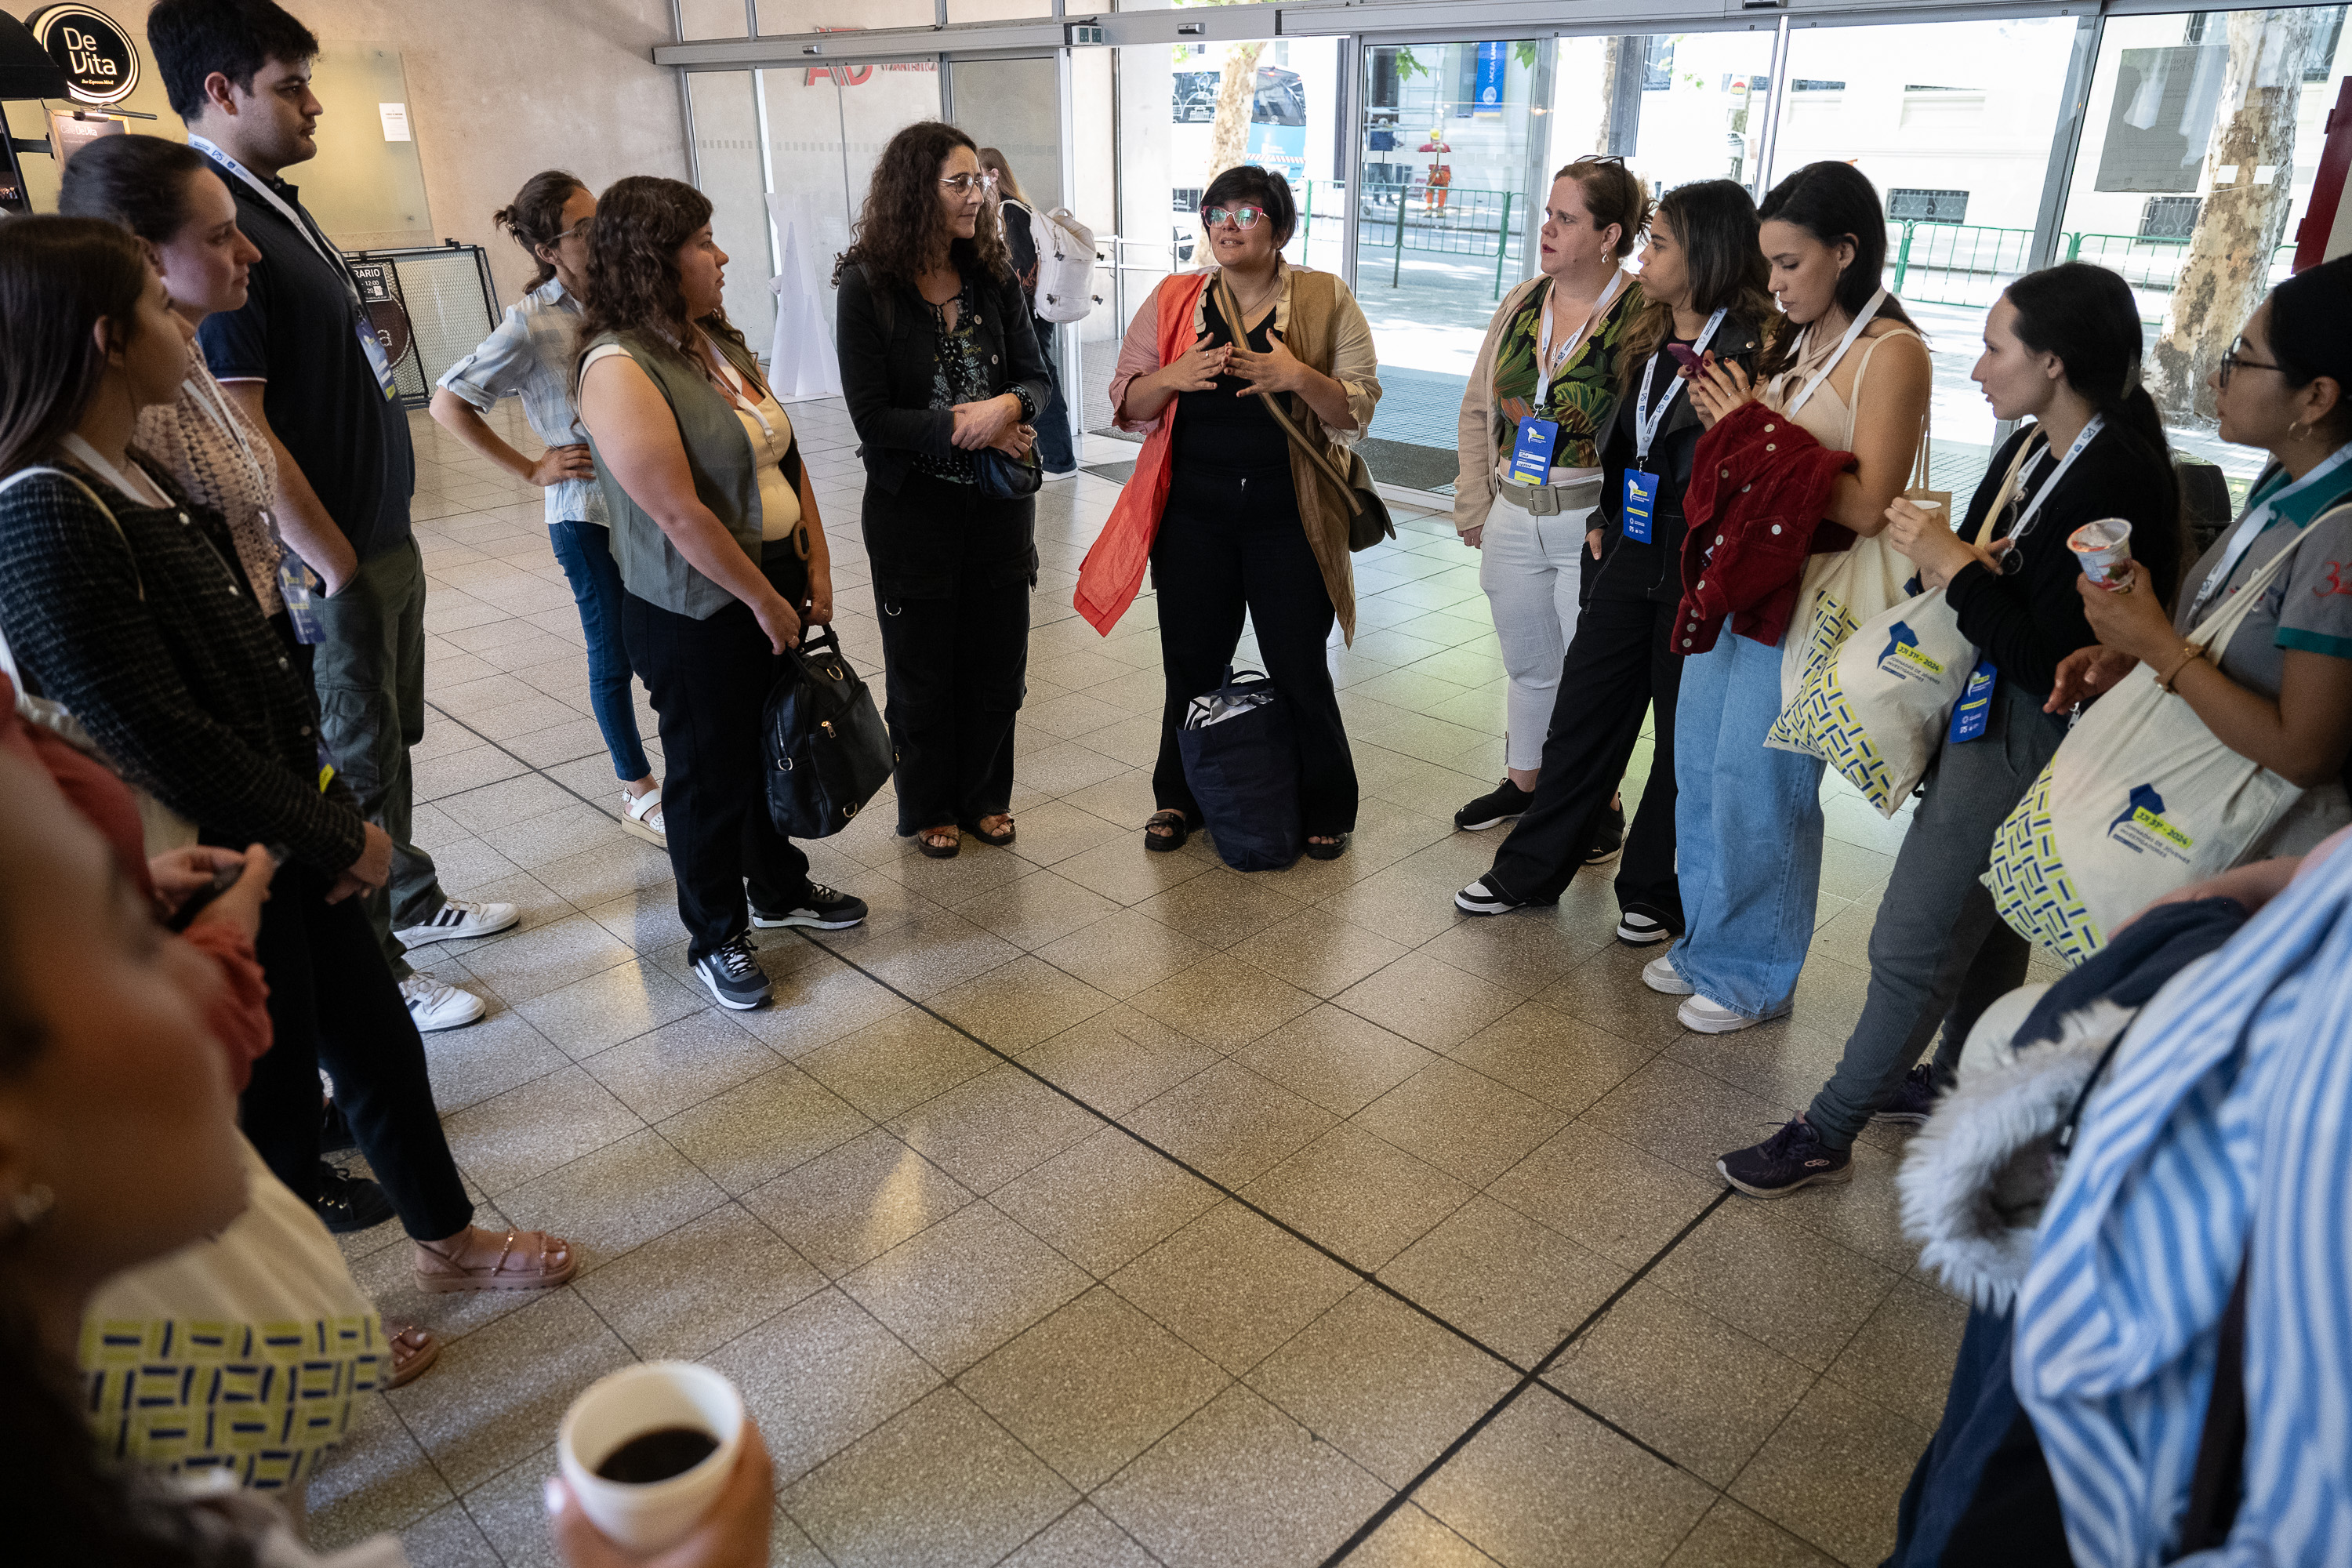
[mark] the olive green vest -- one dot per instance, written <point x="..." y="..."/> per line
<point x="719" y="455"/>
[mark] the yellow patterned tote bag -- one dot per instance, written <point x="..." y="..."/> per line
<point x="2141" y="800"/>
<point x="242" y="1354"/>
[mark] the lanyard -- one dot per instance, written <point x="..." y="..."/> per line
<point x="1868" y="314"/>
<point x="1547" y="362"/>
<point x="736" y="394"/>
<point x="2025" y="519"/>
<point x="2259" y="517"/>
<point x="287" y="210"/>
<point x="225" y="420"/>
<point x="1645" y="424"/>
<point x="87" y="455"/>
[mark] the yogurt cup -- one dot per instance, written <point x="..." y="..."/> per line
<point x="2105" y="549"/>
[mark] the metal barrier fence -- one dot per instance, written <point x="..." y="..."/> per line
<point x="1956" y="264"/>
<point x="430" y="306"/>
<point x="1444" y="220"/>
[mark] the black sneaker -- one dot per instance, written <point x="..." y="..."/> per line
<point x="1791" y="1158"/>
<point x="1915" y="1097"/>
<point x="825" y="909"/>
<point x="1610" y="841"/>
<point x="1485" y="897"/>
<point x="1501" y="805"/>
<point x="733" y="976"/>
<point x="349" y="1203"/>
<point x="334" y="1131"/>
<point x="1646" y="925"/>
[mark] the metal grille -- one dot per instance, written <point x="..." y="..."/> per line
<point x="444" y="298"/>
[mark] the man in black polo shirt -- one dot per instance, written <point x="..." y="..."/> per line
<point x="302" y="357"/>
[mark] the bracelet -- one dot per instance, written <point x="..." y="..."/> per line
<point x="2190" y="654"/>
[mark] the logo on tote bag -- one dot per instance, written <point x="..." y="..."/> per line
<point x="1904" y="658"/>
<point x="2143" y="829"/>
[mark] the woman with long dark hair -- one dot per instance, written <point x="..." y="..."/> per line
<point x="1055" y="451"/>
<point x="1703" y="291"/>
<point x="722" y="561"/>
<point x="531" y="356"/>
<point x="2061" y="348"/>
<point x="942" y="372"/>
<point x="1849" y="369"/>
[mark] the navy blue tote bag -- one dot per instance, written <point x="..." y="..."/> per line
<point x="1241" y="760"/>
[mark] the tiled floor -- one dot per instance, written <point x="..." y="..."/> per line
<point x="1095" y="1207"/>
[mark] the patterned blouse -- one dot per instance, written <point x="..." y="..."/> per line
<point x="228" y="466"/>
<point x="1583" y="395"/>
<point x="959" y="375"/>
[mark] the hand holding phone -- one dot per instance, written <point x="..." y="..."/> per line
<point x="1685" y="356"/>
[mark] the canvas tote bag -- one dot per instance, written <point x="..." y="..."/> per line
<point x="2141" y="799"/>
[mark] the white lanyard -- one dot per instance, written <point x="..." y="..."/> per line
<point x="151" y="494"/>
<point x="2251" y="525"/>
<point x="1869" y="313"/>
<point x="1646" y="419"/>
<point x="2025" y="519"/>
<point x="225" y="420"/>
<point x="1547" y="362"/>
<point x="285" y="209"/>
<point x="736" y="394"/>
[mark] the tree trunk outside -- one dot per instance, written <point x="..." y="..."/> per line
<point x="1236" y="93"/>
<point x="2227" y="271"/>
<point x="1605" y="131"/>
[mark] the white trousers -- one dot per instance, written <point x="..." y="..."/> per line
<point x="1530" y="569"/>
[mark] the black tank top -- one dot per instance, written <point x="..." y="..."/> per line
<point x="1218" y="428"/>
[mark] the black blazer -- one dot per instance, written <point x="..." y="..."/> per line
<point x="889" y="353"/>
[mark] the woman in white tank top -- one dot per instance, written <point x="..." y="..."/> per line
<point x="1747" y="819"/>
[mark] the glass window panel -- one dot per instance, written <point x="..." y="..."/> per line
<point x="997" y="10"/>
<point x="1952" y="122"/>
<point x="711" y="18"/>
<point x="1014" y="106"/>
<point x="2152" y="196"/>
<point x="842" y="16"/>
<point x="727" y="164"/>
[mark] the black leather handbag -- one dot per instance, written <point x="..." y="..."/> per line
<point x="827" y="750"/>
<point x="1007" y="478"/>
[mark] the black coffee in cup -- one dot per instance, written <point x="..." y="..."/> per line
<point x="658" y="1454"/>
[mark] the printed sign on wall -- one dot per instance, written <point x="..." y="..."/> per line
<point x="100" y="62"/>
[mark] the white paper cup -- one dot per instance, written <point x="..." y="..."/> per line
<point x="628" y="1404"/>
<point x="2104" y="548"/>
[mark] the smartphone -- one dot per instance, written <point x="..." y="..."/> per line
<point x="223" y="880"/>
<point x="1684" y="356"/>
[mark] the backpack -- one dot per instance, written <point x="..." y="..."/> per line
<point x="1065" y="266"/>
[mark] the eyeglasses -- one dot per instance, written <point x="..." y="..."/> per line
<point x="2233" y="362"/>
<point x="1616" y="158"/>
<point x="964" y="184"/>
<point x="1239" y="218"/>
<point x="580" y="227"/>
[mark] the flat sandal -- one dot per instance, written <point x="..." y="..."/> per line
<point x="514" y="1269"/>
<point x="1166" y="843"/>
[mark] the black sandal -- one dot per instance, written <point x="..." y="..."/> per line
<point x="936" y="852"/>
<point x="1331" y="851"/>
<point x="993" y="840"/>
<point x="1171" y="841"/>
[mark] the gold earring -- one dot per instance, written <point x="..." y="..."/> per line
<point x="32" y="1206"/>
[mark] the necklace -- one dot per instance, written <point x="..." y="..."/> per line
<point x="1252" y="307"/>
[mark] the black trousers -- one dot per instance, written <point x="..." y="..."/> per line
<point x="1231" y="542"/>
<point x="334" y="1004"/>
<point x="953" y="571"/>
<point x="710" y="681"/>
<point x="1620" y="664"/>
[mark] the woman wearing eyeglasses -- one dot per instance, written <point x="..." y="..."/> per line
<point x="1540" y="397"/>
<point x="943" y="375"/>
<point x="1251" y="523"/>
<point x="531" y="356"/>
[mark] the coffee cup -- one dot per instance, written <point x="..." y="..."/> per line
<point x="648" y="1450"/>
<point x="2105" y="549"/>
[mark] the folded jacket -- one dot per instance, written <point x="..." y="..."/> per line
<point x="1759" y="483"/>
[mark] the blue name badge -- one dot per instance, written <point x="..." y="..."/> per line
<point x="1532" y="456"/>
<point x="1975" y="705"/>
<point x="1641" y="500"/>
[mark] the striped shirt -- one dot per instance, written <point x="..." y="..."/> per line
<point x="529" y="356"/>
<point x="2222" y="1134"/>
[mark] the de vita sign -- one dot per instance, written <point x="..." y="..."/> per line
<point x="100" y="61"/>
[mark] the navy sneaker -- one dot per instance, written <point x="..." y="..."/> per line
<point x="1914" y="1099"/>
<point x="825" y="909"/>
<point x="1791" y="1158"/>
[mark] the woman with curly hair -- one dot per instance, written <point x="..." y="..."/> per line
<point x="722" y="560"/>
<point x="941" y="371"/>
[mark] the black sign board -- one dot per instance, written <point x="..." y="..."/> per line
<point x="100" y="60"/>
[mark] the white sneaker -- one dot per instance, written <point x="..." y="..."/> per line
<point x="459" y="920"/>
<point x="435" y="1004"/>
<point x="1050" y="477"/>
<point x="1659" y="975"/>
<point x="1701" y="1017"/>
<point x="641" y="815"/>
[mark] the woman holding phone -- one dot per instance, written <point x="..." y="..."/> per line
<point x="1701" y="291"/>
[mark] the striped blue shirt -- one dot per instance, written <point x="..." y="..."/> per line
<point x="529" y="356"/>
<point x="2222" y="1134"/>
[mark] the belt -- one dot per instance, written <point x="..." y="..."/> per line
<point x="1550" y="500"/>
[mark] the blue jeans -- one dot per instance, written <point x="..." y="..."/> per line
<point x="1747" y="831"/>
<point x="1054" y="450"/>
<point x="585" y="550"/>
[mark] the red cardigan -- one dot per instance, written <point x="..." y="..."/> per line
<point x="1759" y="483"/>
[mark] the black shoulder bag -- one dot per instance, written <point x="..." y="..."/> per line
<point x="826" y="749"/>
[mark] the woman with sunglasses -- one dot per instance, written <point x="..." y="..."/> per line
<point x="1251" y="523"/>
<point x="2280" y="693"/>
<point x="1540" y="397"/>
<point x="531" y="356"/>
<point x="944" y="381"/>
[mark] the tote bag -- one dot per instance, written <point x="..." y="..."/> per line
<point x="1877" y="708"/>
<point x="2141" y="799"/>
<point x="1241" y="762"/>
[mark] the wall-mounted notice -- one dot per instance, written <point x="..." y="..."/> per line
<point x="396" y="121"/>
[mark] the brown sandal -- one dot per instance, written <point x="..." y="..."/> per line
<point x="519" y="1267"/>
<point x="993" y="840"/>
<point x="409" y="1351"/>
<point x="939" y="851"/>
<point x="1179" y="829"/>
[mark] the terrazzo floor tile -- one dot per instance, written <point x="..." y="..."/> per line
<point x="1803" y="1294"/>
<point x="1362" y="1197"/>
<point x="1223" y="1002"/>
<point x="529" y="1130"/>
<point x="990" y="1128"/>
<point x="956" y="1291"/>
<point x="688" y="1291"/>
<point x="764" y="1128"/>
<point x="1410" y="1539"/>
<point x="1229" y="1124"/>
<point x="613" y="1199"/>
<point x="1732" y="1536"/>
<point x="1334" y="1059"/>
<point x="1119" y="1059"/>
<point x="1516" y="1287"/>
<point x="1833" y="1473"/>
<point x="1233" y="1285"/>
<point x="818" y="1376"/>
<point x="1105" y="1200"/>
<point x="854" y="1203"/>
<point x="1081" y="1538"/>
<point x="1460" y="1121"/>
<point x="680" y="1064"/>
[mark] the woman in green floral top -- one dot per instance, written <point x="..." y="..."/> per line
<point x="1543" y="390"/>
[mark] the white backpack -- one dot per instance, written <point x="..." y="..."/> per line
<point x="1065" y="266"/>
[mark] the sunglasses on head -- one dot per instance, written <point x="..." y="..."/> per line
<point x="1239" y="218"/>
